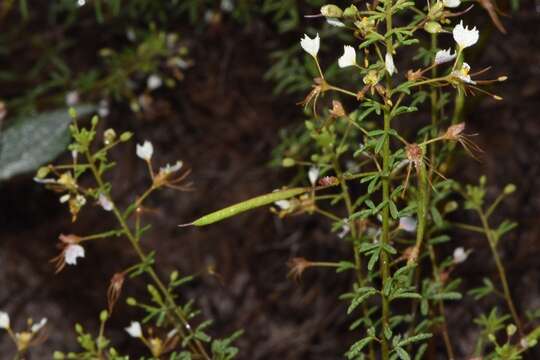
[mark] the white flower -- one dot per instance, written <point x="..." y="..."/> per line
<point x="105" y="203"/>
<point x="460" y="255"/>
<point x="64" y="198"/>
<point x="311" y="46"/>
<point x="227" y="5"/>
<point x="345" y="229"/>
<point x="38" y="326"/>
<point x="134" y="329"/>
<point x="451" y="3"/>
<point x="72" y="252"/>
<point x="389" y="64"/>
<point x="407" y="223"/>
<point x="464" y="36"/>
<point x="168" y="169"/>
<point x="72" y="98"/>
<point x="313" y="175"/>
<point x="103" y="108"/>
<point x="335" y="22"/>
<point x="463" y="74"/>
<point x="348" y="58"/>
<point x="283" y="204"/>
<point x="80" y="200"/>
<point x="4" y="320"/>
<point x="153" y="82"/>
<point x="444" y="56"/>
<point x="145" y="150"/>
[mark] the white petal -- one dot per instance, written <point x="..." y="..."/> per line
<point x="407" y="223"/>
<point x="348" y="58"/>
<point x="451" y="3"/>
<point x="64" y="198"/>
<point x="389" y="64"/>
<point x="444" y="56"/>
<point x="145" y="150"/>
<point x="335" y="22"/>
<point x="313" y="175"/>
<point x="103" y="108"/>
<point x="72" y="98"/>
<point x="464" y="36"/>
<point x="72" y="252"/>
<point x="311" y="46"/>
<point x="4" y="320"/>
<point x="283" y="204"/>
<point x="154" y="82"/>
<point x="38" y="326"/>
<point x="460" y="255"/>
<point x="105" y="203"/>
<point x="134" y="329"/>
<point x="168" y="169"/>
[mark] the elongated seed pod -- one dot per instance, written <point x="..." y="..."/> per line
<point x="247" y="205"/>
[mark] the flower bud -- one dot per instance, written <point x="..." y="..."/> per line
<point x="509" y="189"/>
<point x="433" y="27"/>
<point x="126" y="136"/>
<point x="95" y="120"/>
<point x="131" y="301"/>
<point x="103" y="315"/>
<point x="288" y="162"/>
<point x="109" y="136"/>
<point x="332" y="11"/>
<point x="42" y="172"/>
<point x="350" y="12"/>
<point x="511" y="329"/>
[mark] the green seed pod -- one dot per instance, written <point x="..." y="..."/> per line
<point x="126" y="136"/>
<point x="332" y="11"/>
<point x="103" y="315"/>
<point x="247" y="205"/>
<point x="433" y="27"/>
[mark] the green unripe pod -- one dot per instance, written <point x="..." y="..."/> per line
<point x="332" y="11"/>
<point x="247" y="205"/>
<point x="509" y="189"/>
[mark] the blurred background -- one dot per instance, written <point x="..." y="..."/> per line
<point x="215" y="83"/>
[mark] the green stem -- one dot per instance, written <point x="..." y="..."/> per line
<point x="500" y="268"/>
<point x="142" y="256"/>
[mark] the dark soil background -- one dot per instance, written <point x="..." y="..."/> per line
<point x="223" y="122"/>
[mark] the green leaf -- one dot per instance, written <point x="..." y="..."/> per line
<point x="403" y="355"/>
<point x="35" y="140"/>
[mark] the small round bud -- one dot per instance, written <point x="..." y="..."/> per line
<point x="509" y="189"/>
<point x="95" y="120"/>
<point x="511" y="329"/>
<point x="79" y="329"/>
<point x="109" y="136"/>
<point x="131" y="301"/>
<point x="103" y="315"/>
<point x="332" y="11"/>
<point x="72" y="112"/>
<point x="350" y="12"/>
<point x="174" y="276"/>
<point x="450" y="206"/>
<point x="126" y="136"/>
<point x="57" y="355"/>
<point x="288" y="162"/>
<point x="42" y="172"/>
<point x="433" y="27"/>
<point x="491" y="337"/>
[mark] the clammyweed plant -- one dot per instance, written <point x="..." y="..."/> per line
<point x="387" y="192"/>
<point x="170" y="326"/>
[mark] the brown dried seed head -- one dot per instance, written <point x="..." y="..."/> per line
<point x="414" y="152"/>
<point x="414" y="75"/>
<point x="337" y="109"/>
<point x="297" y="266"/>
<point x="328" y="180"/>
<point x="454" y="131"/>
